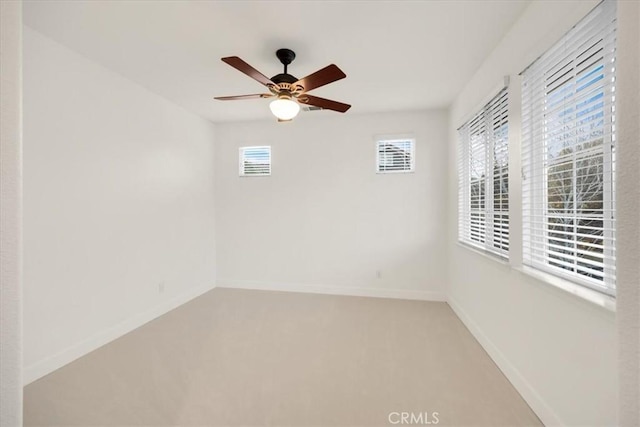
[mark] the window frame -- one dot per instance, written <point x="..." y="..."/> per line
<point x="494" y="243"/>
<point x="538" y="244"/>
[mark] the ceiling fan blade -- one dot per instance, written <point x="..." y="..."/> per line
<point x="326" y="104"/>
<point x="233" y="98"/>
<point x="328" y="74"/>
<point x="243" y="67"/>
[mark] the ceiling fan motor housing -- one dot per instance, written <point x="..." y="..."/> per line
<point x="283" y="78"/>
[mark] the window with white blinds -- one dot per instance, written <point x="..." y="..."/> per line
<point x="568" y="149"/>
<point x="395" y="155"/>
<point x="255" y="161"/>
<point x="483" y="178"/>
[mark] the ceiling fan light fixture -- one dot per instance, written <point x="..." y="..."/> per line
<point x="284" y="108"/>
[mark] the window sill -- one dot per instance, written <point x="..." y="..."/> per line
<point x="390" y="172"/>
<point x="601" y="300"/>
<point x="484" y="253"/>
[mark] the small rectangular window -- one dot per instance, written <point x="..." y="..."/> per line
<point x="483" y="178"/>
<point x="395" y="155"/>
<point x="255" y="161"/>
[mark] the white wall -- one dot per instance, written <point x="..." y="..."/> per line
<point x="324" y="221"/>
<point x="628" y="255"/>
<point x="118" y="198"/>
<point x="557" y="349"/>
<point x="10" y="213"/>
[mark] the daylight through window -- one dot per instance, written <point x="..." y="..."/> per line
<point x="395" y="155"/>
<point x="255" y="161"/>
<point x="568" y="115"/>
<point x="483" y="178"/>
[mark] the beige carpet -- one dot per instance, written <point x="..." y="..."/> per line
<point x="254" y="358"/>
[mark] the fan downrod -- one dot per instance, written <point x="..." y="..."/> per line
<point x="286" y="56"/>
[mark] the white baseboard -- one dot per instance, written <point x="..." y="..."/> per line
<point x="50" y="364"/>
<point x="528" y="393"/>
<point x="333" y="290"/>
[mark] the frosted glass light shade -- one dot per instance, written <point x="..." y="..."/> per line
<point x="284" y="109"/>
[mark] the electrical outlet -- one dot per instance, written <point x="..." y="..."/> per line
<point x="160" y="287"/>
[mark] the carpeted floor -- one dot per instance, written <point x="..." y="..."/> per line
<point x="254" y="358"/>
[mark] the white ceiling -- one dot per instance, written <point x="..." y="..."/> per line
<point x="397" y="55"/>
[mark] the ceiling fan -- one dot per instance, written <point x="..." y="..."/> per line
<point x="287" y="89"/>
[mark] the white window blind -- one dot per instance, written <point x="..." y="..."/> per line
<point x="568" y="149"/>
<point x="395" y="155"/>
<point x="483" y="178"/>
<point x="255" y="161"/>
